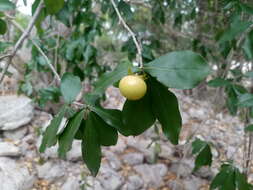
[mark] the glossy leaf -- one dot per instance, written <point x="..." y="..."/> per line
<point x="4" y="46"/>
<point x="111" y="116"/>
<point x="241" y="181"/>
<point x="137" y="116"/>
<point x="197" y="146"/>
<point x="107" y="135"/>
<point x="249" y="74"/>
<point x="248" y="45"/>
<point x="182" y="69"/>
<point x="225" y="179"/>
<point x="54" y="6"/>
<point x="165" y="108"/>
<point x="235" y="29"/>
<point x="49" y="137"/>
<point x="109" y="78"/>
<point x="246" y="100"/>
<point x="70" y="87"/>
<point x="249" y="128"/>
<point x="232" y="100"/>
<point x="204" y="157"/>
<point x="91" y="150"/>
<point x="246" y="8"/>
<point x="3" y="27"/>
<point x="229" y="177"/>
<point x="6" y="5"/>
<point x="67" y="136"/>
<point x="218" y="82"/>
<point x="80" y="132"/>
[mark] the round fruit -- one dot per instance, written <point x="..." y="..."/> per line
<point x="133" y="87"/>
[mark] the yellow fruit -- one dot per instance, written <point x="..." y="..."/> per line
<point x="133" y="87"/>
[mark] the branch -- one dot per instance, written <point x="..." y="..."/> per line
<point x="46" y="58"/>
<point x="22" y="39"/>
<point x="40" y="50"/>
<point x="139" y="3"/>
<point x="138" y="46"/>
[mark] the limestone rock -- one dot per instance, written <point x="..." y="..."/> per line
<point x="15" y="111"/>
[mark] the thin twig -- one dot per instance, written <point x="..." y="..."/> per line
<point x="5" y="56"/>
<point x="22" y="39"/>
<point x="46" y="58"/>
<point x="137" y="44"/>
<point x="40" y="51"/>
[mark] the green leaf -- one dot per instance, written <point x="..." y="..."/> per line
<point x="4" y="45"/>
<point x="248" y="45"/>
<point x="204" y="158"/>
<point x="109" y="78"/>
<point x="107" y="135"/>
<point x="165" y="108"/>
<point x="246" y="8"/>
<point x="67" y="136"/>
<point x="70" y="87"/>
<point x="49" y="137"/>
<point x="6" y="5"/>
<point x="182" y="69"/>
<point x="249" y="128"/>
<point x="232" y="98"/>
<point x="80" y="132"/>
<point x="235" y="29"/>
<point x="249" y="74"/>
<point x="89" y="52"/>
<point x="91" y="150"/>
<point x="218" y="82"/>
<point x="220" y="177"/>
<point x="137" y="116"/>
<point x="125" y="10"/>
<point x="246" y="100"/>
<point x="225" y="179"/>
<point x="111" y="116"/>
<point x="3" y="27"/>
<point x="198" y="145"/>
<point x="54" y="6"/>
<point x="241" y="181"/>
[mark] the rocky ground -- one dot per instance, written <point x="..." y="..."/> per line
<point x="146" y="162"/>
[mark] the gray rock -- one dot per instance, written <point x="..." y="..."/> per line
<point x="16" y="134"/>
<point x="50" y="171"/>
<point x="49" y="152"/>
<point x="204" y="172"/>
<point x="120" y="147"/>
<point x="8" y="149"/>
<point x="197" y="113"/>
<point x="166" y="151"/>
<point x="231" y="152"/>
<point x="134" y="182"/>
<point x="15" y="111"/>
<point x="182" y="169"/>
<point x="113" y="160"/>
<point x="133" y="158"/>
<point x="193" y="183"/>
<point x="110" y="179"/>
<point x="142" y="146"/>
<point x="176" y="185"/>
<point x="75" y="153"/>
<point x="152" y="174"/>
<point x="14" y="176"/>
<point x="71" y="183"/>
<point x="93" y="184"/>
